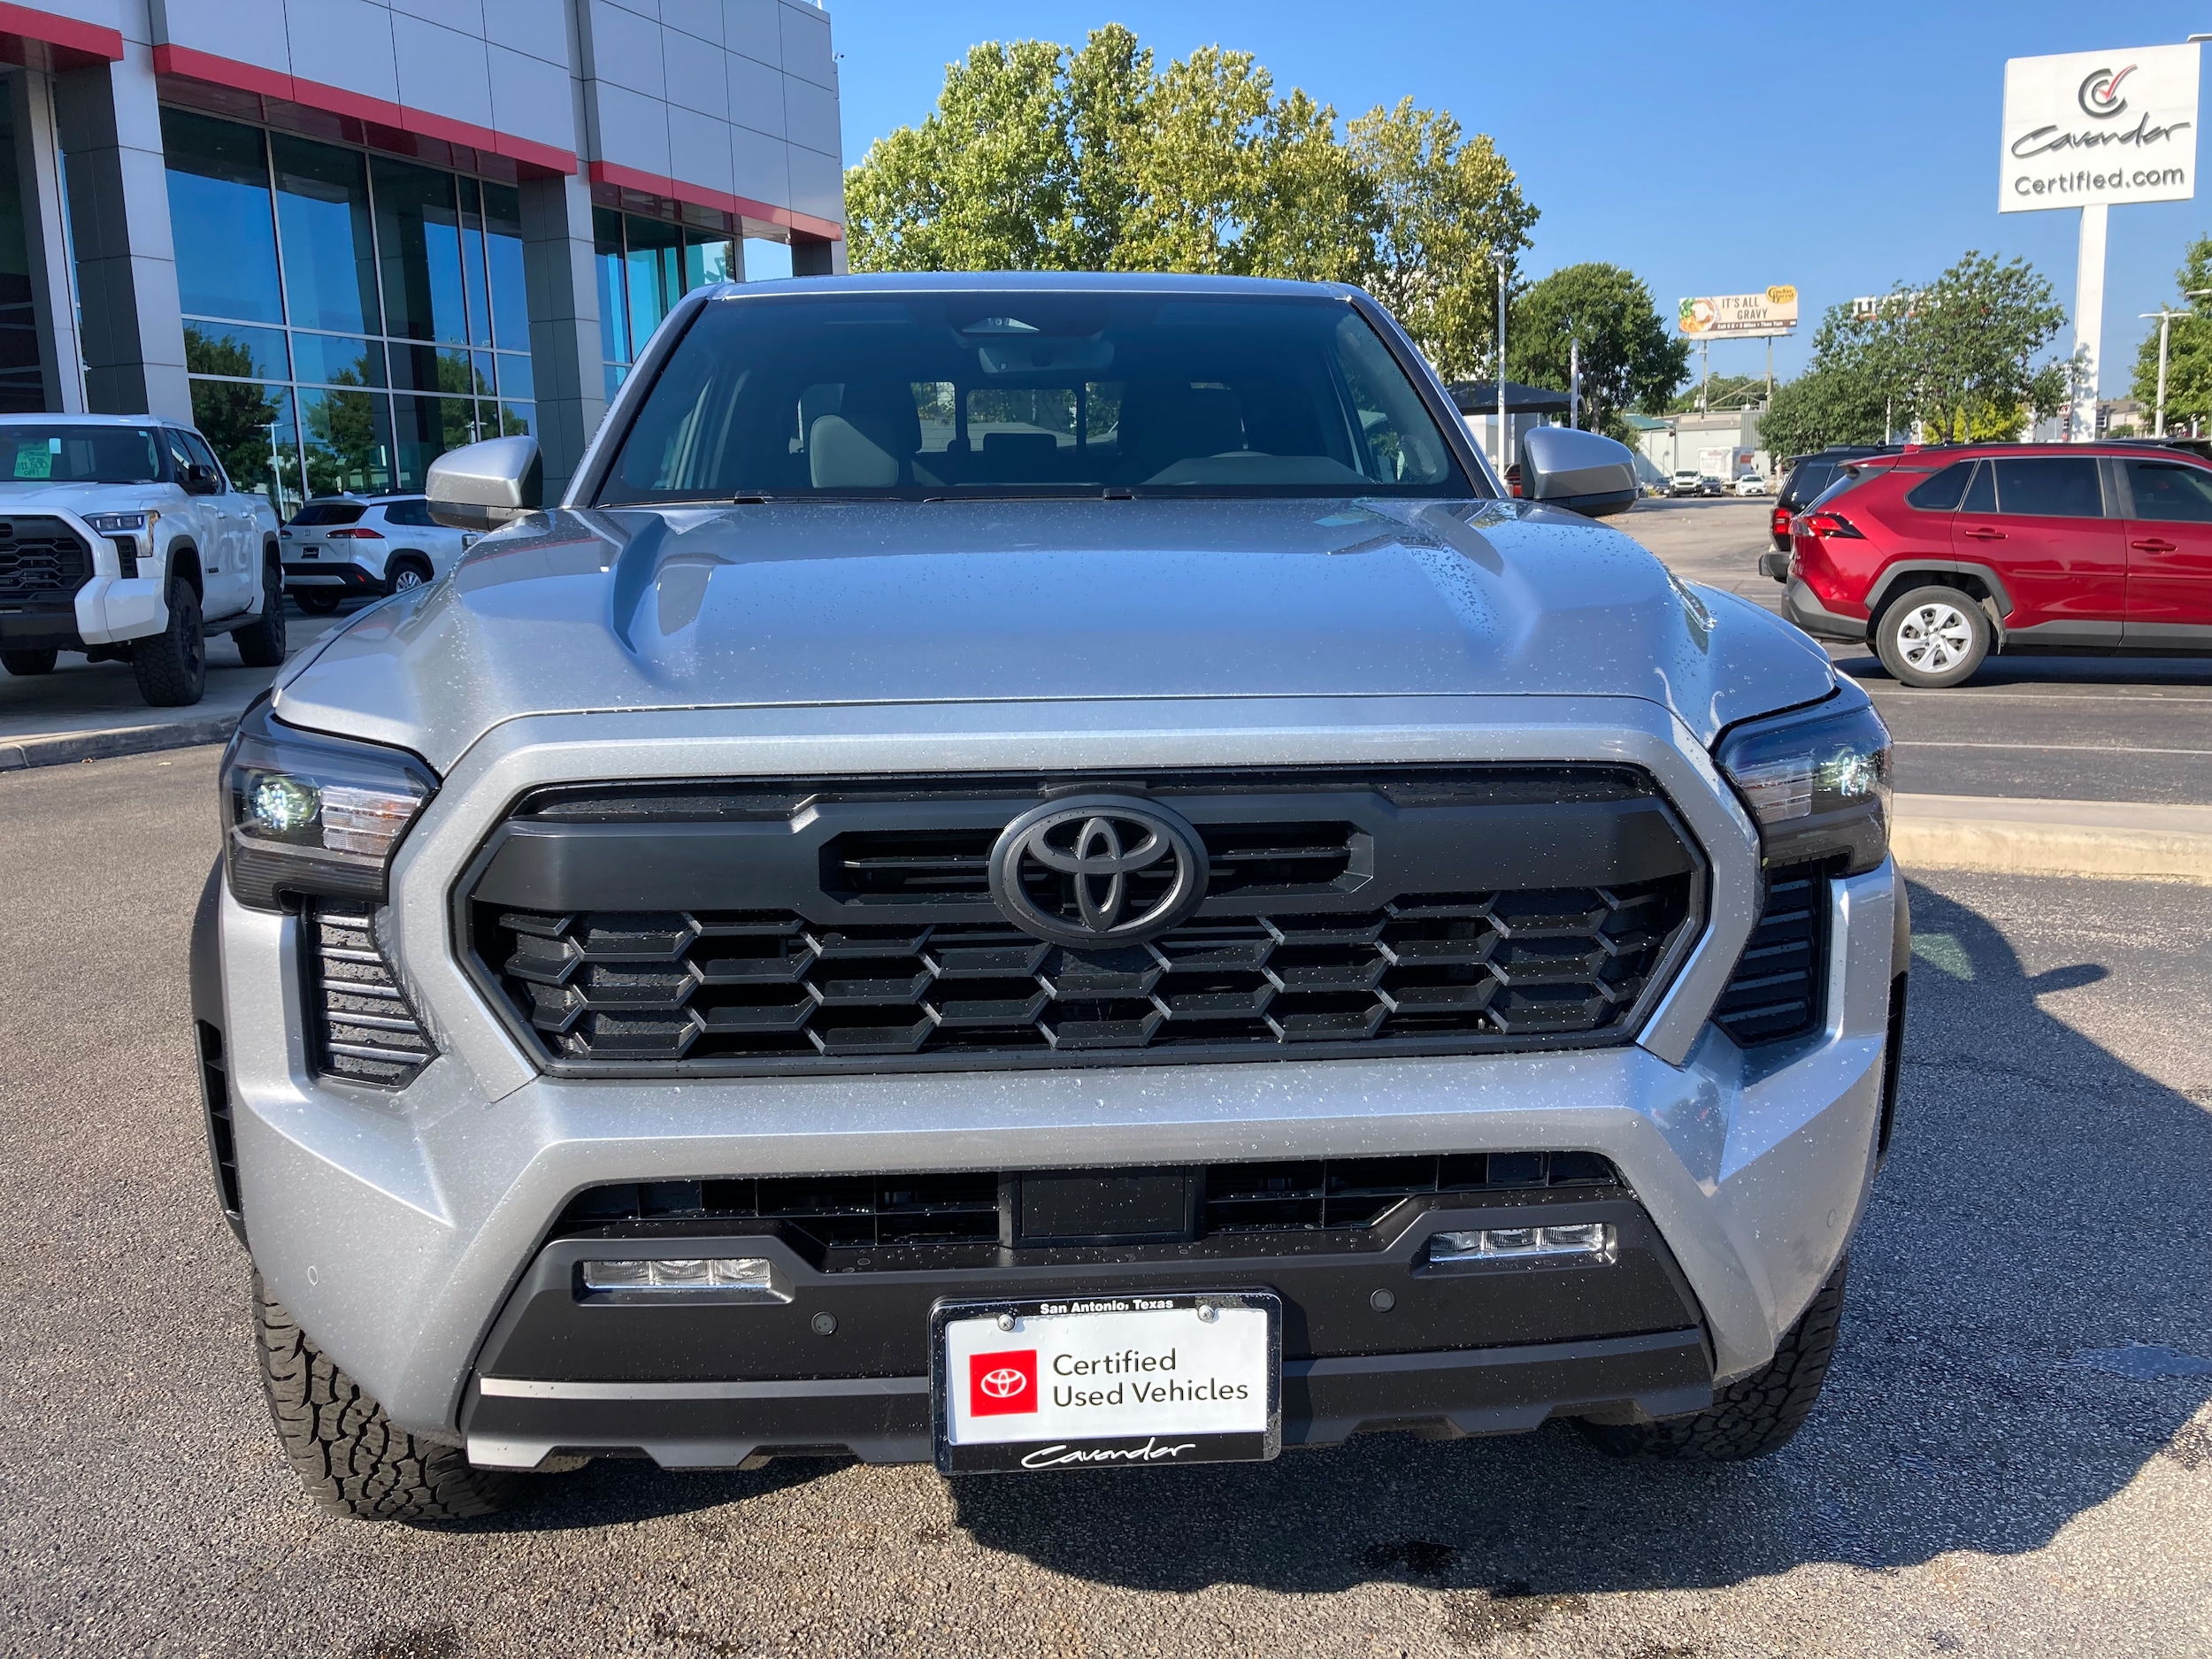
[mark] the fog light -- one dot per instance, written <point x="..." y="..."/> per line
<point x="730" y="1278"/>
<point x="1586" y="1241"/>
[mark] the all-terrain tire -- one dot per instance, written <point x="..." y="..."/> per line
<point x="261" y="644"/>
<point x="172" y="665"/>
<point x="1754" y="1414"/>
<point x="353" y="1460"/>
<point x="316" y="603"/>
<point x="31" y="660"/>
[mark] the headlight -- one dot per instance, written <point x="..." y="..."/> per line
<point x="121" y="523"/>
<point x="1817" y="782"/>
<point x="303" y="813"/>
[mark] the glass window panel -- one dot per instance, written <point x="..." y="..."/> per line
<point x="707" y="258"/>
<point x="419" y="238"/>
<point x="22" y="384"/>
<point x="426" y="428"/>
<point x="348" y="440"/>
<point x="516" y="420"/>
<point x="656" y="272"/>
<point x="2050" y="487"/>
<point x="767" y="260"/>
<point x="242" y="353"/>
<point x="323" y="216"/>
<point x="614" y="308"/>
<point x="2171" y="493"/>
<point x="220" y="219"/>
<point x="615" y="374"/>
<point x="502" y="248"/>
<point x="253" y="433"/>
<point x="487" y="384"/>
<point x="433" y="369"/>
<point x="517" y="376"/>
<point x="339" y="359"/>
<point x="474" y="278"/>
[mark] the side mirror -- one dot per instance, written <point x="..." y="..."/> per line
<point x="1583" y="471"/>
<point x="201" y="480"/>
<point x="482" y="485"/>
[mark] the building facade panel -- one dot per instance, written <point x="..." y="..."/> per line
<point x="345" y="236"/>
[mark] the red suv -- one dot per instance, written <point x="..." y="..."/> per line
<point x="1939" y="557"/>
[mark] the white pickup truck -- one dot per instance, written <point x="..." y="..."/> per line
<point x="121" y="537"/>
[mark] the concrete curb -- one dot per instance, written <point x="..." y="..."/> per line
<point x="106" y="745"/>
<point x="2113" y="840"/>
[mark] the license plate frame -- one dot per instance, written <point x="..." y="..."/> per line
<point x="1038" y="1320"/>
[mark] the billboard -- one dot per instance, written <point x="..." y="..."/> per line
<point x="1740" y="316"/>
<point x="2082" y="127"/>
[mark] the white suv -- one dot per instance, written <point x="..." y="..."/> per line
<point x="121" y="537"/>
<point x="337" y="545"/>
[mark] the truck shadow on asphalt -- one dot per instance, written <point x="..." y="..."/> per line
<point x="2026" y="1290"/>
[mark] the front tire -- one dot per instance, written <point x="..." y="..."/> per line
<point x="353" y="1460"/>
<point x="30" y="661"/>
<point x="1933" y="637"/>
<point x="1754" y="1415"/>
<point x="172" y="665"/>
<point x="262" y="644"/>
<point x="409" y="572"/>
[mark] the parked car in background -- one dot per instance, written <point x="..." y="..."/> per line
<point x="1689" y="482"/>
<point x="1939" y="556"/>
<point x="1751" y="484"/>
<point x="1805" y="476"/>
<point x="338" y="546"/>
<point x="123" y="538"/>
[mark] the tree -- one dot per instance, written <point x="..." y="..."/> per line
<point x="235" y="416"/>
<point x="1039" y="157"/>
<point x="1825" y="405"/>
<point x="1631" y="360"/>
<point x="2188" y="348"/>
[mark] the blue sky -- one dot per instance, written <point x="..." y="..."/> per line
<point x="1710" y="150"/>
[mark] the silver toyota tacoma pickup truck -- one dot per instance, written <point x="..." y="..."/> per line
<point x="1032" y="872"/>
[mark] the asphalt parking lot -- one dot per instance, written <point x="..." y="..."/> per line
<point x="2014" y="1457"/>
<point x="2051" y="727"/>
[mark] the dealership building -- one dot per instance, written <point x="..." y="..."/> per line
<point x="343" y="236"/>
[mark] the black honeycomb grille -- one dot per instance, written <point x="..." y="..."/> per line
<point x="1779" y="989"/>
<point x="691" y="986"/>
<point x="40" y="558"/>
<point x="365" y="1031"/>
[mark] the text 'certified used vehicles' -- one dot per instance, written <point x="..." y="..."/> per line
<point x="1937" y="558"/>
<point x="341" y="547"/>
<point x="1037" y="872"/>
<point x="122" y="537"/>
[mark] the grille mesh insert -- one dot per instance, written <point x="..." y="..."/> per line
<point x="366" y="1031"/>
<point x="688" y="986"/>
<point x="40" y="557"/>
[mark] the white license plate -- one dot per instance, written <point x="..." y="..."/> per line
<point x="1107" y="1381"/>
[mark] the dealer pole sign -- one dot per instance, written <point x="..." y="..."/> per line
<point x="2087" y="130"/>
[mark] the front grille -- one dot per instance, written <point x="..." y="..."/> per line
<point x="364" y="1030"/>
<point x="1780" y="986"/>
<point x="842" y="926"/>
<point x="1504" y="967"/>
<point x="40" y="558"/>
<point x="849" y="1213"/>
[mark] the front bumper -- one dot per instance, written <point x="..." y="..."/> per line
<point x="398" y="1226"/>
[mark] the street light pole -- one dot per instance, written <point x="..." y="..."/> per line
<point x="2166" y="315"/>
<point x="1498" y="260"/>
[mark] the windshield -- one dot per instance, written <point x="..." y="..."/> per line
<point x="53" y="453"/>
<point x="944" y="395"/>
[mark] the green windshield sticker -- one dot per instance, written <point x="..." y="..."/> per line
<point x="33" y="463"/>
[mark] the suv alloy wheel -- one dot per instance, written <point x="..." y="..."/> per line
<point x="1932" y="637"/>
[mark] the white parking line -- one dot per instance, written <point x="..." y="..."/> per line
<point x="2057" y="748"/>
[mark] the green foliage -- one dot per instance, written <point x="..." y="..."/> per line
<point x="1631" y="358"/>
<point x="235" y="416"/>
<point x="1041" y="157"/>
<point x="2188" y="349"/>
<point x="1826" y="404"/>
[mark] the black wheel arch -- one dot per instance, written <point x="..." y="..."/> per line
<point x="1979" y="582"/>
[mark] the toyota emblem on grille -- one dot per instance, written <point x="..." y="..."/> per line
<point x="1098" y="870"/>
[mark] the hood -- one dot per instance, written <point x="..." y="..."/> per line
<point x="31" y="495"/>
<point x="845" y="603"/>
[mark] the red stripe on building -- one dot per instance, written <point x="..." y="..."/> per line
<point x="271" y="83"/>
<point x="610" y="172"/>
<point x="71" y="38"/>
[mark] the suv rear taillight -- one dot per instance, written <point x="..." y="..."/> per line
<point x="363" y="534"/>
<point x="1832" y="526"/>
<point x="1780" y="522"/>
